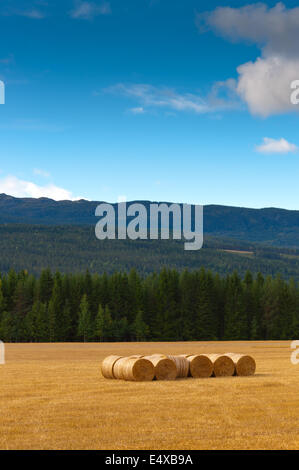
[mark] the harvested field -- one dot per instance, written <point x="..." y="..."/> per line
<point x="53" y="396"/>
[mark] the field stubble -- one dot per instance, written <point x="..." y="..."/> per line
<point x="52" y="396"/>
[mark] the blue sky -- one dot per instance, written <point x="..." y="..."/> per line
<point x="172" y="100"/>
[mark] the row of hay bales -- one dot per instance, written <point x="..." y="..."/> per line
<point x="162" y="367"/>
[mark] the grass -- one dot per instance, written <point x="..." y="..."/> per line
<point x="240" y="252"/>
<point x="52" y="396"/>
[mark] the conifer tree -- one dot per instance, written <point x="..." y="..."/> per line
<point x="100" y="324"/>
<point x="6" y="327"/>
<point x="85" y="329"/>
<point x="207" y="321"/>
<point x="140" y="328"/>
<point x="236" y="327"/>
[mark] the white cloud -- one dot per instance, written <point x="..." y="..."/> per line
<point x="7" y="60"/>
<point x="34" y="14"/>
<point x="138" y="110"/>
<point x="20" y="188"/>
<point x="122" y="199"/>
<point x="89" y="10"/>
<point x="276" y="146"/>
<point x="264" y="84"/>
<point x="161" y="97"/>
<point x="31" y="125"/>
<point x="151" y="96"/>
<point x="43" y="173"/>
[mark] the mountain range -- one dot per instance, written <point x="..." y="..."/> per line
<point x="270" y="226"/>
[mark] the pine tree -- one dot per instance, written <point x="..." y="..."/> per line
<point x="65" y="322"/>
<point x="188" y="306"/>
<point x="100" y="324"/>
<point x="42" y="323"/>
<point x="271" y="309"/>
<point x="140" y="328"/>
<point x="254" y="329"/>
<point x="236" y="327"/>
<point x="105" y="327"/>
<point x="52" y="321"/>
<point x="123" y="330"/>
<point x="6" y="327"/>
<point x="206" y="323"/>
<point x="22" y="300"/>
<point x="85" y="330"/>
<point x="45" y="286"/>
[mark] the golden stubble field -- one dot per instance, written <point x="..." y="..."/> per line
<point x="52" y="396"/>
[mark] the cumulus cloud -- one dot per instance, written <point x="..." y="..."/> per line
<point x="89" y="10"/>
<point x="276" y="146"/>
<point x="265" y="84"/>
<point x="20" y="188"/>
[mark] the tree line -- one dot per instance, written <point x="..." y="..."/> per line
<point x="162" y="306"/>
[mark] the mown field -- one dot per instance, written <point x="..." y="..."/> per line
<point x="52" y="396"/>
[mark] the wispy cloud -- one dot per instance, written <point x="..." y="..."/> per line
<point x="276" y="146"/>
<point x="32" y="13"/>
<point x="7" y="60"/>
<point x="20" y="188"/>
<point x="138" y="110"/>
<point x="122" y="198"/>
<point x="149" y="96"/>
<point x="31" y="125"/>
<point x="40" y="172"/>
<point x="89" y="10"/>
<point x="39" y="9"/>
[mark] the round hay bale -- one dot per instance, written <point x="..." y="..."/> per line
<point x="108" y="365"/>
<point x="200" y="365"/>
<point x="118" y="368"/>
<point x="137" y="369"/>
<point x="136" y="356"/>
<point x="164" y="368"/>
<point x="244" y="365"/>
<point x="223" y="366"/>
<point x="182" y="365"/>
<point x="158" y="355"/>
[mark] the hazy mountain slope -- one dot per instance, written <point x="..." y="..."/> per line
<point x="272" y="226"/>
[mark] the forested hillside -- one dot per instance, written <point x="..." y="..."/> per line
<point x="60" y="283"/>
<point x="276" y="227"/>
<point x="72" y="249"/>
<point x="161" y="307"/>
